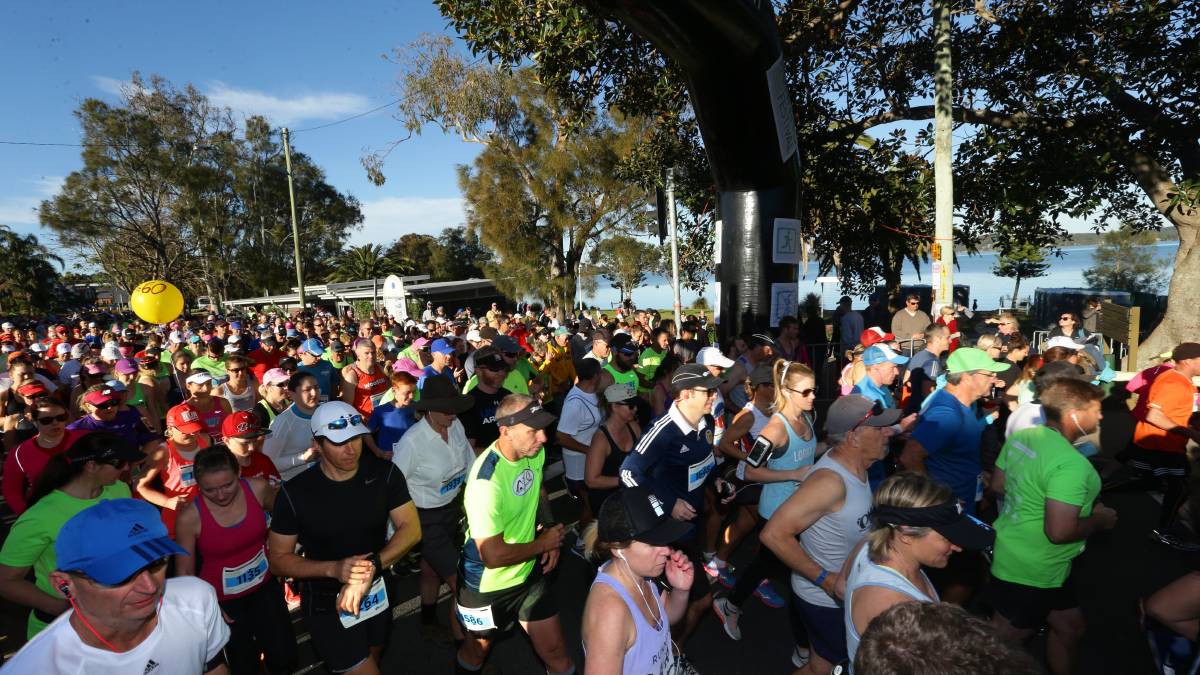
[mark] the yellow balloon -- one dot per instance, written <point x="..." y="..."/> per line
<point x="156" y="302"/>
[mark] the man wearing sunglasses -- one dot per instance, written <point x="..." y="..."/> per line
<point x="339" y="511"/>
<point x="126" y="616"/>
<point x="815" y="530"/>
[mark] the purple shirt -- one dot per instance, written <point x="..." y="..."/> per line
<point x="127" y="424"/>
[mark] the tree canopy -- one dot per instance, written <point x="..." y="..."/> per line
<point x="30" y="280"/>
<point x="171" y="188"/>
<point x="1066" y="110"/>
<point x="1122" y="263"/>
<point x="1026" y="261"/>
<point x="625" y="262"/>
<point x="550" y="181"/>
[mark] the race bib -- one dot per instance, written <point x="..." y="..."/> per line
<point x="373" y="603"/>
<point x="699" y="471"/>
<point x="187" y="476"/>
<point x="242" y="578"/>
<point x="377" y="398"/>
<point x="453" y="484"/>
<point x="477" y="620"/>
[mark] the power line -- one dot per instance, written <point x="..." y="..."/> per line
<point x="116" y="145"/>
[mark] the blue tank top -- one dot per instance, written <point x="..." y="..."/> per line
<point x="800" y="453"/>
<point x="651" y="652"/>
<point x="864" y="572"/>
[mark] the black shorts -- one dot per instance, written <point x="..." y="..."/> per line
<point x="441" y="537"/>
<point x="531" y="601"/>
<point x="1026" y="607"/>
<point x="340" y="647"/>
<point x="1158" y="463"/>
<point x="826" y="627"/>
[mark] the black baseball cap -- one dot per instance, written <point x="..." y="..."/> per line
<point x="636" y="514"/>
<point x="693" y="376"/>
<point x="489" y="357"/>
<point x="533" y="416"/>
<point x="623" y="342"/>
<point x="947" y="519"/>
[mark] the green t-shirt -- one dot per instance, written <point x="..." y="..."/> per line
<point x="213" y="366"/>
<point x="628" y="377"/>
<point x="513" y="382"/>
<point x="648" y="364"/>
<point x="500" y="497"/>
<point x="1039" y="464"/>
<point x="166" y="356"/>
<point x="30" y="543"/>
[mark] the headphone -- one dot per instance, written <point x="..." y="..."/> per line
<point x="65" y="589"/>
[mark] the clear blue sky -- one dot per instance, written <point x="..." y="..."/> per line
<point x="299" y="63"/>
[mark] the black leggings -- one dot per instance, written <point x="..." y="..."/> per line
<point x="260" y="624"/>
<point x="766" y="565"/>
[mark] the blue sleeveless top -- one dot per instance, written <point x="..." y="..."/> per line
<point x="800" y="453"/>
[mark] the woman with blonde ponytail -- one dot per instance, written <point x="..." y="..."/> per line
<point x="793" y="443"/>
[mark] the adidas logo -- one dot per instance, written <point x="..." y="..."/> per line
<point x="150" y="665"/>
<point x="135" y="531"/>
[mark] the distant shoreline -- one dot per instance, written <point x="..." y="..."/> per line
<point x="1075" y="239"/>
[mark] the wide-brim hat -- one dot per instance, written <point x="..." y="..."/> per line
<point x="440" y="395"/>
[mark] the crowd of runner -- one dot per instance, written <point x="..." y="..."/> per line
<point x="179" y="489"/>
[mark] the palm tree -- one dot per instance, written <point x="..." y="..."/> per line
<point x="361" y="262"/>
<point x="26" y="273"/>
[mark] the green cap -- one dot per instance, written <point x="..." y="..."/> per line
<point x="967" y="359"/>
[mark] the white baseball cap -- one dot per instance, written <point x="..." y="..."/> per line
<point x="62" y="348"/>
<point x="338" y="421"/>
<point x="1063" y="341"/>
<point x="711" y="356"/>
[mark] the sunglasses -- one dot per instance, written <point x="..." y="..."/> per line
<point x="343" y="422"/>
<point x="628" y="404"/>
<point x="811" y="391"/>
<point x="53" y="419"/>
<point x="235" y="370"/>
<point x="876" y="409"/>
<point x="153" y="568"/>
<point x="107" y="406"/>
<point x="1065" y="318"/>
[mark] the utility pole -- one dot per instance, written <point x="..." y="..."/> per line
<point x="287" y="158"/>
<point x="670" y="188"/>
<point x="943" y="147"/>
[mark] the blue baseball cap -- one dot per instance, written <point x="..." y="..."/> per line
<point x="880" y="353"/>
<point x="312" y="346"/>
<point x="236" y="325"/>
<point x="441" y="346"/>
<point x="111" y="541"/>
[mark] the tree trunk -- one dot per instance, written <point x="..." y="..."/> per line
<point x="1016" y="290"/>
<point x="1181" y="323"/>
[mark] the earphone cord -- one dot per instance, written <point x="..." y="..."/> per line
<point x="89" y="626"/>
<point x="637" y="582"/>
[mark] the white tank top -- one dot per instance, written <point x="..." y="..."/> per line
<point x="829" y="540"/>
<point x="239" y="402"/>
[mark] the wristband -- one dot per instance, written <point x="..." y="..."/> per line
<point x="821" y="577"/>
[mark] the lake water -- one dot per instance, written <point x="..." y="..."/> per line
<point x="974" y="271"/>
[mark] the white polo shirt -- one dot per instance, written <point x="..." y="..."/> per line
<point x="434" y="469"/>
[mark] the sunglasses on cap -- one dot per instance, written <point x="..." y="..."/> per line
<point x="343" y="422"/>
<point x="876" y="409"/>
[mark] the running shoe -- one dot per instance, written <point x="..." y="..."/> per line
<point x="800" y="656"/>
<point x="722" y="573"/>
<point x="766" y="593"/>
<point x="1183" y="544"/>
<point x="728" y="614"/>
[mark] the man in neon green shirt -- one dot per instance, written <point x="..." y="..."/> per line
<point x="650" y="359"/>
<point x="504" y="557"/>
<point x="1049" y="512"/>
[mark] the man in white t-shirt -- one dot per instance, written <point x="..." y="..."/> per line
<point x="125" y="617"/>
<point x="580" y="418"/>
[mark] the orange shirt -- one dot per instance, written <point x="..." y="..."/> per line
<point x="1173" y="394"/>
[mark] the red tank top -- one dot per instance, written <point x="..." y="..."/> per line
<point x="178" y="480"/>
<point x="212" y="420"/>
<point x="369" y="389"/>
<point x="234" y="559"/>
